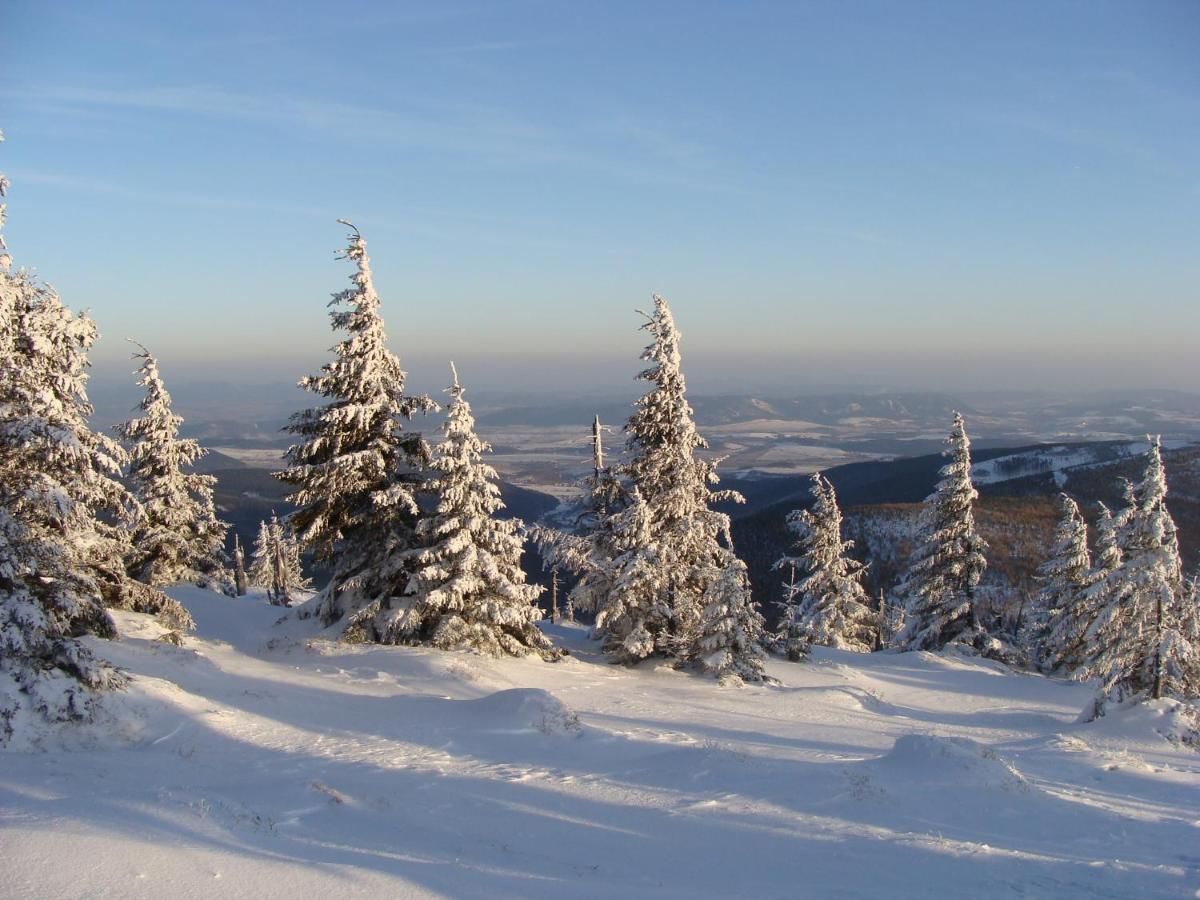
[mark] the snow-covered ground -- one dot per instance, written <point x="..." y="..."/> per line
<point x="1058" y="460"/>
<point x="262" y="761"/>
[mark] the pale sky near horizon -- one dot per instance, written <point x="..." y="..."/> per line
<point x="911" y="194"/>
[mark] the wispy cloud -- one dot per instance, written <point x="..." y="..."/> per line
<point x="481" y="47"/>
<point x="1139" y="119"/>
<point x="427" y="221"/>
<point x="174" y="198"/>
<point x="291" y="24"/>
<point x="616" y="145"/>
<point x="1133" y="146"/>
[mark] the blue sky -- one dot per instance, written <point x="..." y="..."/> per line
<point x="904" y="194"/>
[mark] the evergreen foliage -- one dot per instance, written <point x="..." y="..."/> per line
<point x="46" y="600"/>
<point x="1108" y="545"/>
<point x="941" y="580"/>
<point x="692" y="609"/>
<point x="790" y="637"/>
<point x="59" y="565"/>
<point x="1063" y="609"/>
<point x="275" y="563"/>
<point x="355" y="470"/>
<point x="468" y="590"/>
<point x="177" y="537"/>
<point x="731" y="628"/>
<point x="653" y="559"/>
<point x="1189" y="612"/>
<point x="590" y="547"/>
<point x="1074" y="638"/>
<point x="239" y="567"/>
<point x="1141" y="644"/>
<point x="828" y="606"/>
<point x="634" y="609"/>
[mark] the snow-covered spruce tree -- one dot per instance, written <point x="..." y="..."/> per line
<point x="239" y="567"/>
<point x="829" y="606"/>
<point x="262" y="558"/>
<point x="635" y="607"/>
<point x="589" y="547"/>
<point x="275" y="563"/>
<point x="940" y="583"/>
<point x="891" y="620"/>
<point x="1108" y="545"/>
<point x="1190" y="610"/>
<point x="1072" y="637"/>
<point x="291" y="581"/>
<point x="468" y="590"/>
<point x="790" y="637"/>
<point x="1063" y="612"/>
<point x="58" y="566"/>
<point x="731" y="629"/>
<point x="177" y="537"/>
<point x="1139" y="644"/>
<point x="49" y="416"/>
<point x="355" y="469"/>
<point x="44" y="604"/>
<point x="693" y="596"/>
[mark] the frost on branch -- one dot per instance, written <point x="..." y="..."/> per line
<point x="1064" y="609"/>
<point x="1142" y="642"/>
<point x="58" y="564"/>
<point x="177" y="536"/>
<point x="941" y="579"/>
<point x="275" y="563"/>
<point x="468" y="590"/>
<point x="691" y="601"/>
<point x="828" y="605"/>
<point x="354" y="469"/>
<point x="590" y="545"/>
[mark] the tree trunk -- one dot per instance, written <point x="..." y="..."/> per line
<point x="1156" y="692"/>
<point x="554" y="596"/>
<point x="239" y="567"/>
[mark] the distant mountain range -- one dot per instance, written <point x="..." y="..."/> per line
<point x="880" y="449"/>
<point x="887" y="422"/>
<point x="1017" y="511"/>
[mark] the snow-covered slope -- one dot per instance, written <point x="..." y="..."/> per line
<point x="1059" y="459"/>
<point x="262" y="761"/>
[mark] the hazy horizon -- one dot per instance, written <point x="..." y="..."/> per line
<point x="270" y="393"/>
<point x="709" y="372"/>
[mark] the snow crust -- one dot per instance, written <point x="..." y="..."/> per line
<point x="262" y="760"/>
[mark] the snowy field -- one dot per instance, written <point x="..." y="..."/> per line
<point x="262" y="761"/>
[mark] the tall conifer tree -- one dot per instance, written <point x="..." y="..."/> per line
<point x="275" y="563"/>
<point x="177" y="537"/>
<point x="634" y="611"/>
<point x="941" y="580"/>
<point x="1063" y="609"/>
<point x="355" y="470"/>
<point x="59" y="564"/>
<point x="468" y="590"/>
<point x="828" y="605"/>
<point x="1140" y="643"/>
<point x="590" y="545"/>
<point x="687" y="613"/>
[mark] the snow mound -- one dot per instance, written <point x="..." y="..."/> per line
<point x="926" y="761"/>
<point x="523" y="709"/>
<point x="118" y="720"/>
<point x="1174" y="721"/>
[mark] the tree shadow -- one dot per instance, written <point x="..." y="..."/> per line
<point x="509" y="832"/>
<point x="409" y="787"/>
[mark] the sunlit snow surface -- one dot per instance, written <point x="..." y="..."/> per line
<point x="262" y="761"/>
